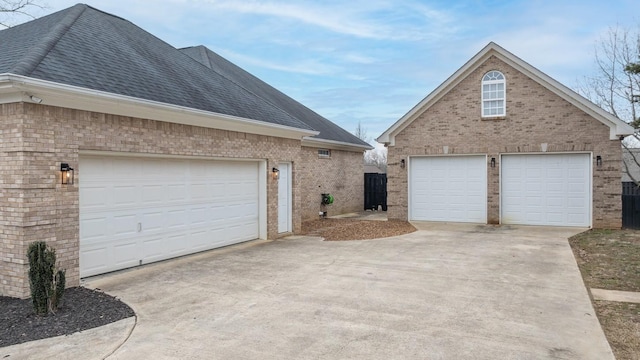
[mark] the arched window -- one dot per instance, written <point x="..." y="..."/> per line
<point x="493" y="94"/>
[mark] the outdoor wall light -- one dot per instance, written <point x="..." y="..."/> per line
<point x="275" y="174"/>
<point x="35" y="99"/>
<point x="493" y="162"/>
<point x="402" y="164"/>
<point x="67" y="174"/>
<point x="598" y="161"/>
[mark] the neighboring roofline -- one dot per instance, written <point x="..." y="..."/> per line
<point x="204" y="53"/>
<point x="332" y="144"/>
<point x="617" y="127"/>
<point x="17" y="88"/>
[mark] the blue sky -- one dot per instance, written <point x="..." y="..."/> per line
<point x="373" y="60"/>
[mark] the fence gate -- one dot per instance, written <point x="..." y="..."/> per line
<point x="375" y="191"/>
<point x="630" y="205"/>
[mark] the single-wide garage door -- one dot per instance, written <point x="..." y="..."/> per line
<point x="448" y="188"/>
<point x="139" y="210"/>
<point x="550" y="189"/>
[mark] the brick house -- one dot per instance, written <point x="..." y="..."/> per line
<point x="500" y="142"/>
<point x="173" y="151"/>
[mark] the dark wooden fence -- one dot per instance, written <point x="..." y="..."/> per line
<point x="630" y="205"/>
<point x="375" y="191"/>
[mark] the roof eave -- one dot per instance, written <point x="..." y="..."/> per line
<point x="15" y="88"/>
<point x="334" y="145"/>
<point x="617" y="127"/>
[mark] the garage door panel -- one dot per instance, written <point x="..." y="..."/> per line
<point x="198" y="216"/>
<point x="556" y="190"/>
<point x="124" y="253"/>
<point x="182" y="206"/>
<point x="153" y="249"/>
<point x="449" y="188"/>
<point x="94" y="197"/>
<point x="96" y="227"/>
<point x="177" y="245"/>
<point x="152" y="194"/>
<point x="176" y="192"/>
<point x="199" y="238"/>
<point x="123" y="224"/>
<point x="122" y="168"/>
<point x="96" y="258"/>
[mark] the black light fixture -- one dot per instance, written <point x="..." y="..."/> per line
<point x="275" y="173"/>
<point x="598" y="161"/>
<point x="402" y="164"/>
<point x="67" y="174"/>
<point x="493" y="162"/>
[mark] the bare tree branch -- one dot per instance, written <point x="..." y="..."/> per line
<point x="11" y="8"/>
<point x="612" y="87"/>
<point x="361" y="133"/>
<point x="615" y="87"/>
<point x="632" y="154"/>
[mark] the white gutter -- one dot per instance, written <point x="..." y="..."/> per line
<point x="21" y="88"/>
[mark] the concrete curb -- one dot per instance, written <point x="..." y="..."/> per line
<point x="96" y="343"/>
<point x="615" y="295"/>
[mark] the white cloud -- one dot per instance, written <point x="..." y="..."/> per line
<point x="358" y="58"/>
<point x="310" y="14"/>
<point x="372" y="20"/>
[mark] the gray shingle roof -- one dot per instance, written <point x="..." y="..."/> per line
<point x="88" y="48"/>
<point x="328" y="130"/>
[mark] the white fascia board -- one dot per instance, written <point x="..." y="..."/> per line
<point x="332" y="144"/>
<point x="20" y="88"/>
<point x="617" y="127"/>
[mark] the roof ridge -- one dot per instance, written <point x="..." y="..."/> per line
<point x="207" y="53"/>
<point x="38" y="52"/>
<point x="205" y="50"/>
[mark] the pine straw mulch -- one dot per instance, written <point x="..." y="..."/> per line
<point x="353" y="229"/>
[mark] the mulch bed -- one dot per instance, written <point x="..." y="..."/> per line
<point x="81" y="309"/>
<point x="353" y="229"/>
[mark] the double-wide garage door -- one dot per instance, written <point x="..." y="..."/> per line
<point x="535" y="189"/>
<point x="139" y="210"/>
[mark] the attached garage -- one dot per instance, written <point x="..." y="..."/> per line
<point x="448" y="188"/>
<point x="549" y="189"/>
<point x="139" y="210"/>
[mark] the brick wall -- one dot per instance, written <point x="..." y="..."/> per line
<point x="341" y="175"/>
<point x="534" y="116"/>
<point x="37" y="138"/>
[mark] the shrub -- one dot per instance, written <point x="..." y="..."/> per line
<point x="47" y="285"/>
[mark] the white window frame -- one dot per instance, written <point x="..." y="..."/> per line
<point x="324" y="153"/>
<point x="497" y="78"/>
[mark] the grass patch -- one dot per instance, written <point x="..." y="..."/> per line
<point x="610" y="259"/>
<point x="621" y="324"/>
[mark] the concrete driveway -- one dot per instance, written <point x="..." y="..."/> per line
<point x="448" y="291"/>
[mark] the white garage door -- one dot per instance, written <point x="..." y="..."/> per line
<point x="551" y="189"/>
<point x="448" y="188"/>
<point x="139" y="210"/>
